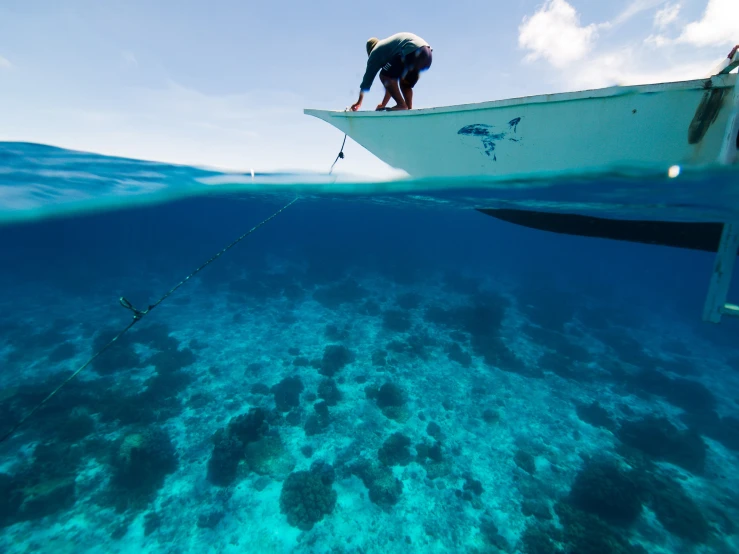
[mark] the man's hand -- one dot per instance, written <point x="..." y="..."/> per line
<point x="358" y="103"/>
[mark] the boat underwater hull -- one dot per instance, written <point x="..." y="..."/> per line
<point x="693" y="235"/>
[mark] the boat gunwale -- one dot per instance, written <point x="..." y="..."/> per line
<point x="715" y="81"/>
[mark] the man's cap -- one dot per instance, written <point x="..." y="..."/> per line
<point x="371" y="43"/>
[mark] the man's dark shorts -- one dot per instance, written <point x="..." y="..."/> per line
<point x="407" y="68"/>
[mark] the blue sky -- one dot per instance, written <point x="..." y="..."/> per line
<point x="222" y="83"/>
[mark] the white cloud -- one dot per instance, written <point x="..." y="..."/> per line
<point x="635" y="8"/>
<point x="5" y="63"/>
<point x="658" y="40"/>
<point x="666" y="15"/>
<point x="129" y="59"/>
<point x="718" y="26"/>
<point x="554" y="33"/>
<point x="631" y="66"/>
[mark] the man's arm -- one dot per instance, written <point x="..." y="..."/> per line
<point x="373" y="66"/>
<point x="358" y="103"/>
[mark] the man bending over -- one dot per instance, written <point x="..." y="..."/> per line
<point x="399" y="58"/>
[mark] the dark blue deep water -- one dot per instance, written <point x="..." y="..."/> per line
<point x="364" y="373"/>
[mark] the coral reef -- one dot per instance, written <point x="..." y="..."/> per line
<point x="306" y="498"/>
<point x="268" y="456"/>
<point x="319" y="420"/>
<point x="329" y="392"/>
<point x="660" y="439"/>
<point x="335" y="358"/>
<point x="354" y="406"/>
<point x="384" y="488"/>
<point x="140" y="464"/>
<point x="334" y="296"/>
<point x="396" y="321"/>
<point x="229" y="445"/>
<point x="587" y="534"/>
<point x="391" y="400"/>
<point x="395" y="451"/>
<point x="525" y="460"/>
<point x="676" y="511"/>
<point x="596" y="415"/>
<point x="287" y="393"/>
<point x="604" y="490"/>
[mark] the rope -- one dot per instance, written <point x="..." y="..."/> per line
<point x="341" y="155"/>
<point x="137" y="316"/>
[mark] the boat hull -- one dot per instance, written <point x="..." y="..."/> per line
<point x="693" y="235"/>
<point x="666" y="124"/>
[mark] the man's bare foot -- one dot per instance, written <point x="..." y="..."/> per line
<point x="397" y="108"/>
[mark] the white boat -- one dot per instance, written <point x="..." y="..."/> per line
<point x="681" y="123"/>
<point x="678" y="124"/>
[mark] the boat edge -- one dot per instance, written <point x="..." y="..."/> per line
<point x="728" y="80"/>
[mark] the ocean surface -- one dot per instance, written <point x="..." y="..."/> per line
<point x="379" y="368"/>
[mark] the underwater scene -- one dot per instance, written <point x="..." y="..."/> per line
<point x="373" y="368"/>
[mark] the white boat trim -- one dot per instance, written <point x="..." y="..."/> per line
<point x="729" y="63"/>
<point x="719" y="81"/>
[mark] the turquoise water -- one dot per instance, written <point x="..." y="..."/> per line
<point x="38" y="181"/>
<point x="379" y="368"/>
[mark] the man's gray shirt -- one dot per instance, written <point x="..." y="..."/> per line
<point x="385" y="50"/>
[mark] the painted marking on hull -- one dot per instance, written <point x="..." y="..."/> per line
<point x="488" y="137"/>
<point x="706" y="114"/>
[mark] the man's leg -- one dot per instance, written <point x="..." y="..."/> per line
<point x="407" y="92"/>
<point x="392" y="88"/>
<point x="385" y="100"/>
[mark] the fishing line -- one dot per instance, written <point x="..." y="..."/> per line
<point x="138" y="315"/>
<point x="340" y="155"/>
